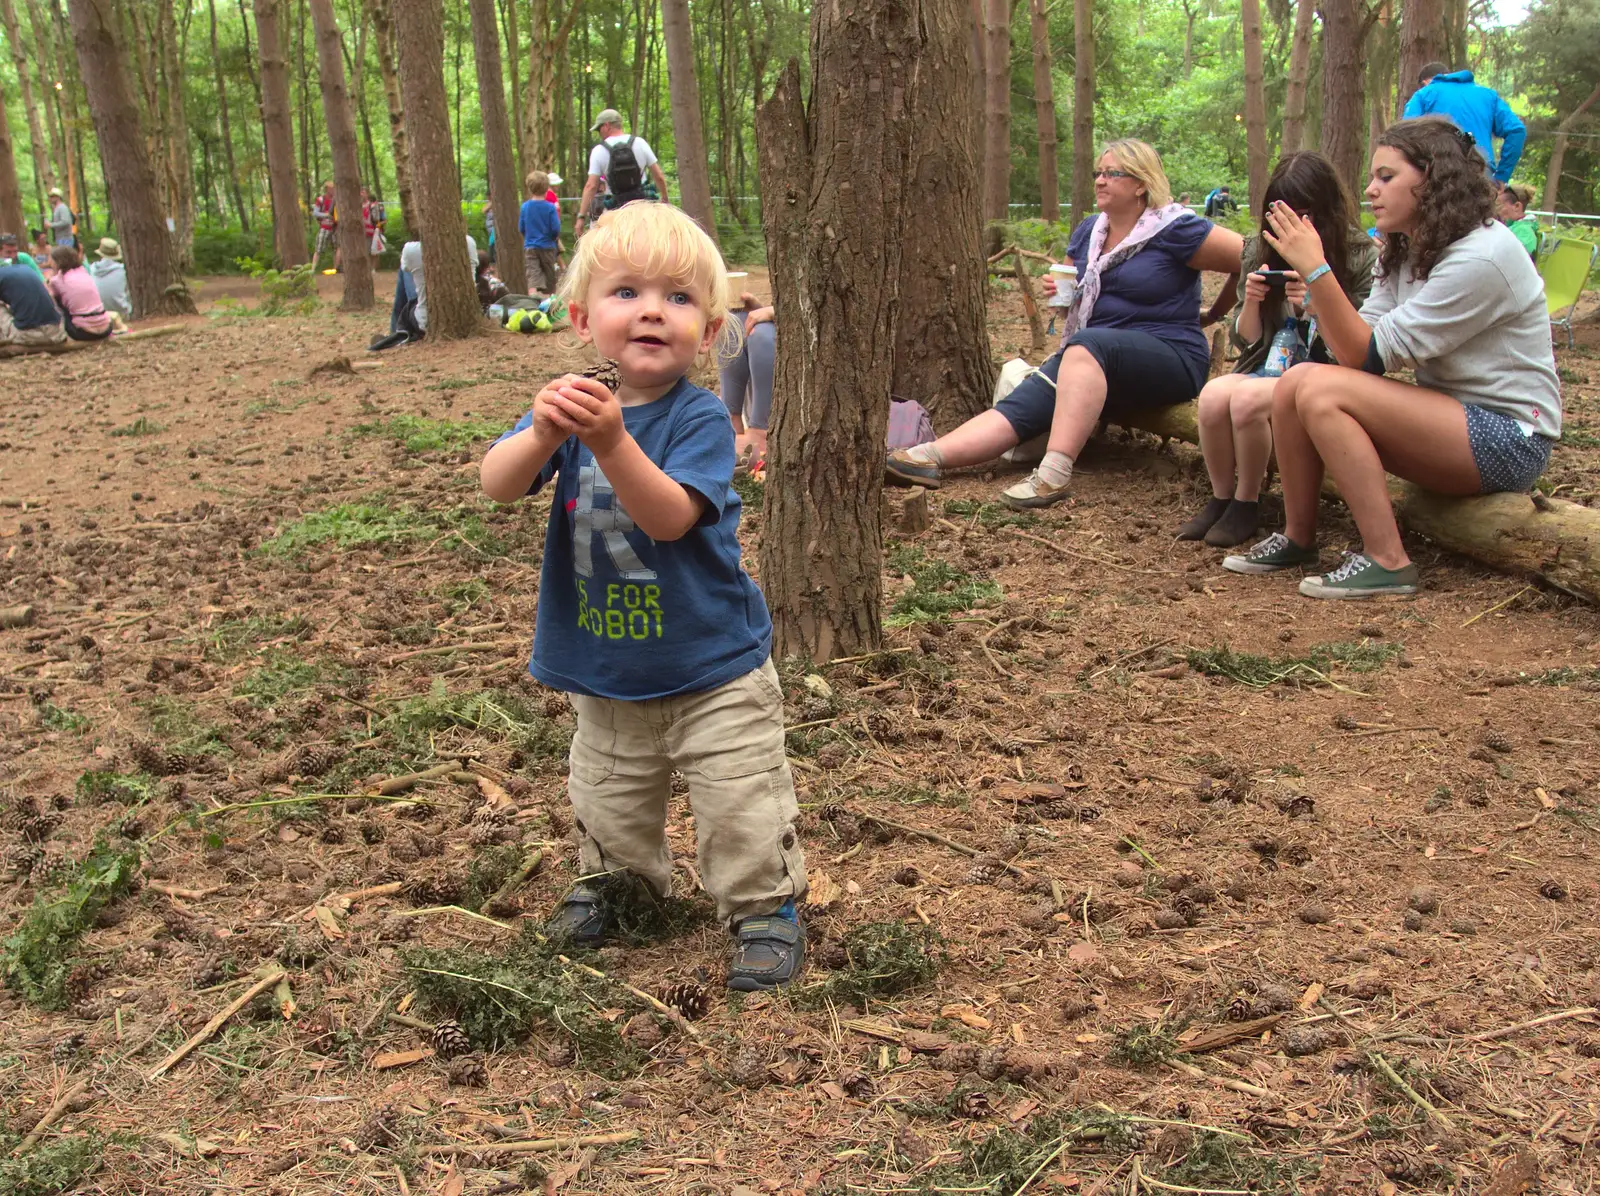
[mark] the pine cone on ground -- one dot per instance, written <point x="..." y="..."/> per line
<point x="436" y="887"/>
<point x="857" y="1085"/>
<point x="25" y="860"/>
<point x="748" y="1069"/>
<point x="450" y="1040"/>
<point x="403" y="851"/>
<point x="910" y="1146"/>
<point x="179" y="924"/>
<point x="985" y="870"/>
<point x="846" y="825"/>
<point x="907" y="876"/>
<point x="971" y="1104"/>
<point x="643" y="1031"/>
<point x="1403" y="1165"/>
<point x="561" y="1054"/>
<point x="1244" y="1009"/>
<point x="209" y="970"/>
<point x="1496" y="741"/>
<point x="158" y="763"/>
<point x="961" y="1058"/>
<point x="381" y="1128"/>
<point x="67" y="1047"/>
<point x="1302" y="1040"/>
<point x="992" y="1063"/>
<point x="468" y="1071"/>
<point x="83" y="980"/>
<point x="310" y="761"/>
<point x="691" y="1000"/>
<point x="427" y="845"/>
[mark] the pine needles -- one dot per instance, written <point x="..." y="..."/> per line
<point x="1261" y="672"/>
<point x="938" y="589"/>
<point x="884" y="958"/>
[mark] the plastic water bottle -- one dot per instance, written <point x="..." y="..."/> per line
<point x="1287" y="349"/>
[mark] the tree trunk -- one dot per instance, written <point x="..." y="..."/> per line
<point x="688" y="136"/>
<point x="1190" y="15"/>
<point x="1255" y="104"/>
<point x="1294" y="99"/>
<point x="12" y="219"/>
<point x="503" y="189"/>
<point x="835" y="249"/>
<point x="1422" y="40"/>
<point x="514" y="62"/>
<point x="1082" y="109"/>
<point x="288" y="228"/>
<point x="1558" y="152"/>
<point x="357" y="263"/>
<point x="383" y="31"/>
<point x="175" y="129"/>
<point x="155" y="285"/>
<point x="1044" y="98"/>
<point x="355" y="68"/>
<point x="50" y="73"/>
<point x="980" y="60"/>
<point x="1381" y="53"/>
<point x="1343" y="109"/>
<point x="77" y="181"/>
<point x="227" y="126"/>
<point x="453" y="311"/>
<point x="42" y="179"/>
<point x="941" y="355"/>
<point x="547" y="46"/>
<point x="997" y="110"/>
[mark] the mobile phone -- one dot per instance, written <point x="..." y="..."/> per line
<point x="1274" y="278"/>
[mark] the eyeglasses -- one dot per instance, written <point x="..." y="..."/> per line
<point x="1112" y="174"/>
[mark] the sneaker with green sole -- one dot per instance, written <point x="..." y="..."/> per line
<point x="1362" y="577"/>
<point x="1276" y="552"/>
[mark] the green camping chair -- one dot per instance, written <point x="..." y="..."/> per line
<point x="1565" y="269"/>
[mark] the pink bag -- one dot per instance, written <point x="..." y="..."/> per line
<point x="909" y="424"/>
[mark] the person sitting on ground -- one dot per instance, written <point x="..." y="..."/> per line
<point x="82" y="312"/>
<point x="28" y="316"/>
<point x="1457" y="301"/>
<point x="646" y="617"/>
<point x="59" y="222"/>
<point x="1235" y="410"/>
<point x="408" y="321"/>
<point x="111" y="278"/>
<point x="1512" y="209"/>
<point x="747" y="382"/>
<point x="11" y="254"/>
<point x="490" y="288"/>
<point x="1132" y="341"/>
<point x="488" y="226"/>
<point x="540" y="225"/>
<point x="41" y="249"/>
<point x="1477" y="110"/>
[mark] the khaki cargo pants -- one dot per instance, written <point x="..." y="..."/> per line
<point x="728" y="742"/>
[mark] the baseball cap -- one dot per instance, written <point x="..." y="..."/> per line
<point x="608" y="116"/>
<point x="555" y="179"/>
<point x="56" y="191"/>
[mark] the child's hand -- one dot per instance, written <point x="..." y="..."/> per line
<point x="1255" y="287"/>
<point x="549" y="421"/>
<point x="592" y="409"/>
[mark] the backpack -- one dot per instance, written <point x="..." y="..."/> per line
<point x="624" y="175"/>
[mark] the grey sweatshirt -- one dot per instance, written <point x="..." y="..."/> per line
<point x="1476" y="329"/>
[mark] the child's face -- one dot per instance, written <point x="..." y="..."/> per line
<point x="651" y="327"/>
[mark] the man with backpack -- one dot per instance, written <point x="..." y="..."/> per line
<point x="621" y="161"/>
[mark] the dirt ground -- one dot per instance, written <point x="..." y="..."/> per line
<point x="1186" y="883"/>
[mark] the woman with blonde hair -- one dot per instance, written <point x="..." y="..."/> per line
<point x="1511" y="205"/>
<point x="1133" y="336"/>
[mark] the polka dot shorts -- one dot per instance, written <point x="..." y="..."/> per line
<point x="1508" y="458"/>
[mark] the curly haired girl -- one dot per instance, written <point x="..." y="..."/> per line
<point x="1456" y="300"/>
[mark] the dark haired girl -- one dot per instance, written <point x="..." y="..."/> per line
<point x="1236" y="409"/>
<point x="1457" y="301"/>
<point x="82" y="310"/>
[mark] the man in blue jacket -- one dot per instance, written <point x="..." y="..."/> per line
<point x="1475" y="109"/>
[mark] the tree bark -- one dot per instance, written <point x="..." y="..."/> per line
<point x="12" y="219"/>
<point x="1294" y="99"/>
<point x="357" y="263"/>
<point x="1082" y="108"/>
<point x="1044" y="98"/>
<point x="288" y="227"/>
<point x="227" y="125"/>
<point x="513" y="61"/>
<point x="503" y="189"/>
<point x="1343" y="109"/>
<point x="49" y="71"/>
<point x="980" y="60"/>
<point x="175" y="133"/>
<point x="547" y="46"/>
<point x="1255" y="104"/>
<point x="1558" y="151"/>
<point x="383" y="31"/>
<point x="942" y="355"/>
<point x="77" y="181"/>
<point x="694" y="173"/>
<point x="42" y="179"/>
<point x="155" y="284"/>
<point x="997" y="110"/>
<point x="453" y="311"/>
<point x="835" y="242"/>
<point x="1422" y="40"/>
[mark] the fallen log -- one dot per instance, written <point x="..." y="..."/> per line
<point x="72" y="346"/>
<point x="1546" y="539"/>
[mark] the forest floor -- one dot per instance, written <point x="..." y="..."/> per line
<point x="1128" y="874"/>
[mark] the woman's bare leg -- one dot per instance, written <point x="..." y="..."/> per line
<point x="1216" y="432"/>
<point x="1080" y="398"/>
<point x="982" y="438"/>
<point x="1299" y="466"/>
<point x="1251" y="431"/>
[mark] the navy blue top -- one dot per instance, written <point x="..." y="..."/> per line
<point x="1155" y="290"/>
<point x="24" y="292"/>
<point x="539" y="223"/>
<point x="627" y="617"/>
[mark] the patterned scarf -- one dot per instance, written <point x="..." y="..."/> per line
<point x="1150" y="222"/>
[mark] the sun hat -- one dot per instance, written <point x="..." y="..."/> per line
<point x="56" y="191"/>
<point x="109" y="249"/>
<point x="608" y="116"/>
<point x="555" y="179"/>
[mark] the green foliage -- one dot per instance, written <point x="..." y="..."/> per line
<point x="752" y="492"/>
<point x="291" y="292"/>
<point x="282" y="674"/>
<point x="54" y="1166"/>
<point x="422" y="435"/>
<point x="640" y="917"/>
<point x="1003" y="1161"/>
<point x="1142" y="1045"/>
<point x="1224" y="1161"/>
<point x="461" y="596"/>
<point x="219" y="248"/>
<point x="59" y="718"/>
<point x="499" y="714"/>
<point x="990" y="514"/>
<point x="885" y="959"/>
<point x="125" y="788"/>
<point x="500" y="997"/>
<point x="234" y="638"/>
<point x="1259" y="672"/>
<point x="1564" y="675"/>
<point x="143" y="426"/>
<point x="938" y="588"/>
<point x="348" y="525"/>
<point x="36" y="958"/>
<point x="176" y="723"/>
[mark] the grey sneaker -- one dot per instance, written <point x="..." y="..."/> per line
<point x="1033" y="492"/>
<point x="1276" y="552"/>
<point x="1362" y="577"/>
<point x="903" y="471"/>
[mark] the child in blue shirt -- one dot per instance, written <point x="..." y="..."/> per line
<point x="540" y="225"/>
<point x="646" y="618"/>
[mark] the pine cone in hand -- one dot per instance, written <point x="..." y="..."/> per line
<point x="450" y="1040"/>
<point x="692" y="1000"/>
<point x="607" y="373"/>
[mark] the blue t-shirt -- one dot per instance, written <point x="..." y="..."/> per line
<point x="539" y="223"/>
<point x="627" y="617"/>
<point x="24" y="292"/>
<point x="1155" y="290"/>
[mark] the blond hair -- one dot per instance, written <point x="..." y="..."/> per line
<point x="1520" y="192"/>
<point x="538" y="183"/>
<point x="1139" y="158"/>
<point x="657" y="240"/>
